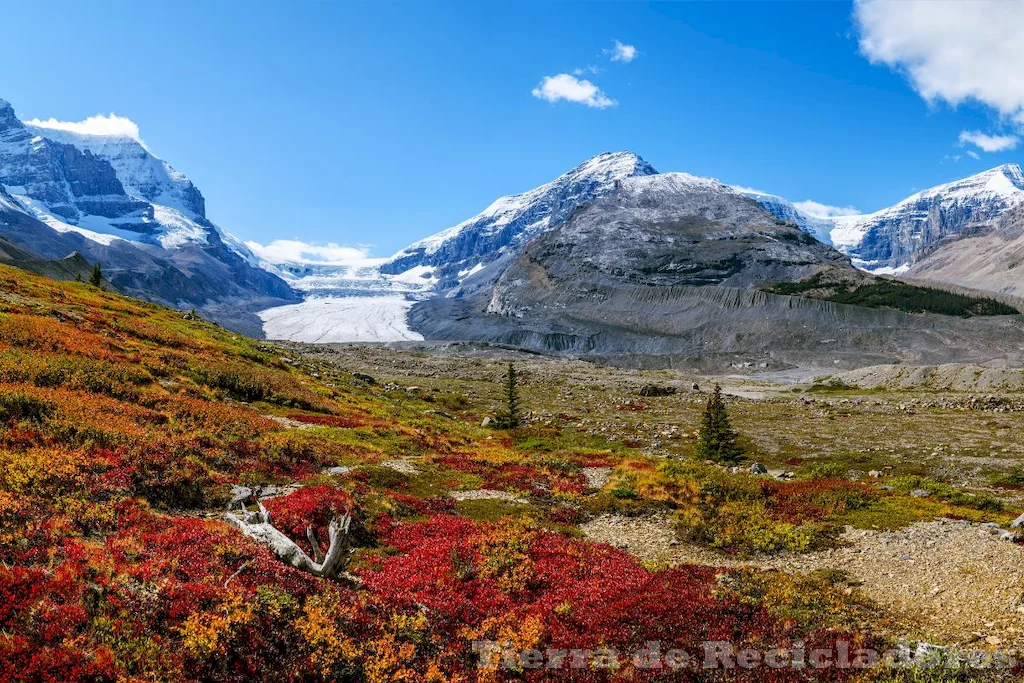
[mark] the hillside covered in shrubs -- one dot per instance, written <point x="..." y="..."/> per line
<point x="125" y="427"/>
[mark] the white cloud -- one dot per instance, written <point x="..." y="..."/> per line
<point x="820" y="210"/>
<point x="972" y="154"/>
<point x="589" y="70"/>
<point x="94" y="125"/>
<point x="953" y="51"/>
<point x="622" y="52"/>
<point x="988" y="143"/>
<point x="571" y="89"/>
<point x="295" y="251"/>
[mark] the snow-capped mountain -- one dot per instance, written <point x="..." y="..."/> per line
<point x="438" y="264"/>
<point x="891" y="240"/>
<point x="142" y="174"/>
<point x="511" y="221"/>
<point x="110" y="199"/>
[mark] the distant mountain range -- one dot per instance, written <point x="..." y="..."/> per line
<point x="595" y="234"/>
<point x="680" y="271"/>
<point x="893" y="239"/>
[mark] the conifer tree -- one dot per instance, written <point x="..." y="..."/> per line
<point x="96" y="276"/>
<point x="717" y="439"/>
<point x="510" y="418"/>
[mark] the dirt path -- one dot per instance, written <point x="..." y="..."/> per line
<point x="956" y="581"/>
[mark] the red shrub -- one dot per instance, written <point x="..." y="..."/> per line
<point x="566" y="594"/>
<point x="328" y="420"/>
<point x="313" y="506"/>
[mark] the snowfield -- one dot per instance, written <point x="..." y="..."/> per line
<point x="341" y="319"/>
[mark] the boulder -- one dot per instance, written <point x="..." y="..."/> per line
<point x="655" y="390"/>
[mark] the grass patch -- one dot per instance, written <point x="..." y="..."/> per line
<point x="492" y="509"/>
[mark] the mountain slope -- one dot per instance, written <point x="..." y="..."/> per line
<point x="668" y="270"/>
<point x="510" y="221"/>
<point x="114" y="203"/>
<point x="369" y="300"/>
<point x="988" y="256"/>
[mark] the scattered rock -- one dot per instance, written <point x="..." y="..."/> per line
<point x="402" y="466"/>
<point x="875" y="474"/>
<point x="364" y="378"/>
<point x="758" y="468"/>
<point x="944" y="573"/>
<point x="485" y="422"/>
<point x="273" y="491"/>
<point x="655" y="390"/>
<point x="338" y="470"/>
<point x="920" y="493"/>
<point x="439" y="413"/>
<point x="486" y="494"/>
<point x="289" y="423"/>
<point x="596" y="477"/>
<point x="1017" y="523"/>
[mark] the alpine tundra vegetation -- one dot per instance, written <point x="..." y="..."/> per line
<point x="128" y="428"/>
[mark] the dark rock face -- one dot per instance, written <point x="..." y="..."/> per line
<point x="901" y="238"/>
<point x="68" y="181"/>
<point x="669" y="230"/>
<point x="653" y="390"/>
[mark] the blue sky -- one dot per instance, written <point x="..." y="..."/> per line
<point x="379" y="123"/>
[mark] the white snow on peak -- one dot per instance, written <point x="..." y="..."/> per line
<point x="106" y="234"/>
<point x="674" y="182"/>
<point x="142" y="174"/>
<point x="177" y="229"/>
<point x="818" y="226"/>
<point x="604" y="170"/>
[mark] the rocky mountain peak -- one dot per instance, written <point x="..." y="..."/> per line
<point x="8" y="120"/>
<point x="510" y="221"/>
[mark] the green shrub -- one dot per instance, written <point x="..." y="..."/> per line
<point x="893" y="294"/>
<point x="944" y="491"/>
<point x="19" y="406"/>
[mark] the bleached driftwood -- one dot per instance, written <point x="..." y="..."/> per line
<point x="258" y="525"/>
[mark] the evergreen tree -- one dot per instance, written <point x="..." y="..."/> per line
<point x="510" y="418"/>
<point x="96" y="276"/>
<point x="717" y="439"/>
